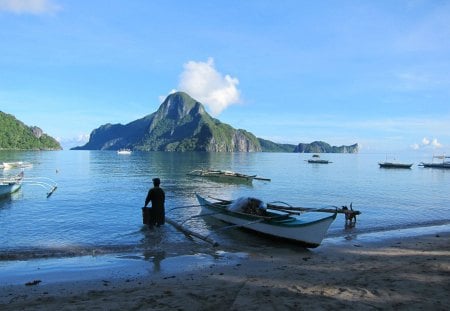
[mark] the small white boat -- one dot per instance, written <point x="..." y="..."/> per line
<point x="17" y="164"/>
<point x="226" y="176"/>
<point x="9" y="185"/>
<point x="307" y="229"/>
<point x="124" y="151"/>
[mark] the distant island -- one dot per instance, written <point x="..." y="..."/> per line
<point x="322" y="147"/>
<point x="182" y="124"/>
<point x="15" y="135"/>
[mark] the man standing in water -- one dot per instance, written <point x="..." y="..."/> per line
<point x="157" y="196"/>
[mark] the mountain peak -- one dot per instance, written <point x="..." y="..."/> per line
<point x="178" y="105"/>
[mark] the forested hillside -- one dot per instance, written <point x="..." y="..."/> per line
<point x="15" y="135"/>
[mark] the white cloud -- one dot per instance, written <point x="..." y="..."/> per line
<point x="426" y="143"/>
<point x="29" y="6"/>
<point x="436" y="144"/>
<point x="204" y="83"/>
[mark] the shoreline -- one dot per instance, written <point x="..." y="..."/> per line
<point x="401" y="273"/>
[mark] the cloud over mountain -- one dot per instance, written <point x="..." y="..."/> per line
<point x="215" y="90"/>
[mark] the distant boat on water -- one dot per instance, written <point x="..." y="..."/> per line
<point x="124" y="151"/>
<point x="317" y="160"/>
<point x="444" y="164"/>
<point x="226" y="176"/>
<point x="16" y="164"/>
<point x="394" y="165"/>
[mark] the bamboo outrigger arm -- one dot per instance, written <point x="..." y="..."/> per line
<point x="190" y="232"/>
<point x="349" y="212"/>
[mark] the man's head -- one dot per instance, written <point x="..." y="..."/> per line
<point x="156" y="181"/>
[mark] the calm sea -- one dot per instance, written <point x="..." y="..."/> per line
<point x="97" y="206"/>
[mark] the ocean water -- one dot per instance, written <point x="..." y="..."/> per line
<point x="96" y="208"/>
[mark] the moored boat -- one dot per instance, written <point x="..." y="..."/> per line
<point x="317" y="160"/>
<point x="444" y="164"/>
<point x="16" y="164"/>
<point x="219" y="175"/>
<point x="394" y="165"/>
<point x="307" y="229"/>
<point x="124" y="151"/>
<point x="9" y="185"/>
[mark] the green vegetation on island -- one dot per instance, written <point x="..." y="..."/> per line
<point x="15" y="135"/>
<point x="180" y="124"/>
<point x="323" y="147"/>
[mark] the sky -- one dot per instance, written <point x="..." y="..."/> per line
<point x="376" y="73"/>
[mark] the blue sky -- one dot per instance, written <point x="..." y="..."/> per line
<point x="372" y="72"/>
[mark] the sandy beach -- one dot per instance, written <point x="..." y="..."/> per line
<point x="399" y="274"/>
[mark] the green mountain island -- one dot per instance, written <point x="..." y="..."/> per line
<point x="15" y="135"/>
<point x="180" y="124"/>
<point x="322" y="147"/>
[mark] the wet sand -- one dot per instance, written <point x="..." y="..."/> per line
<point x="400" y="274"/>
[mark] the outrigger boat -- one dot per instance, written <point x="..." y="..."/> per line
<point x="394" y="165"/>
<point x="444" y="164"/>
<point x="226" y="176"/>
<point x="17" y="164"/>
<point x="9" y="185"/>
<point x="277" y="221"/>
<point x="316" y="160"/>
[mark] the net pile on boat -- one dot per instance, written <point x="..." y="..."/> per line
<point x="249" y="205"/>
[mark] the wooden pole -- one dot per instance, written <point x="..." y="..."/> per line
<point x="262" y="178"/>
<point x="307" y="209"/>
<point x="190" y="232"/>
